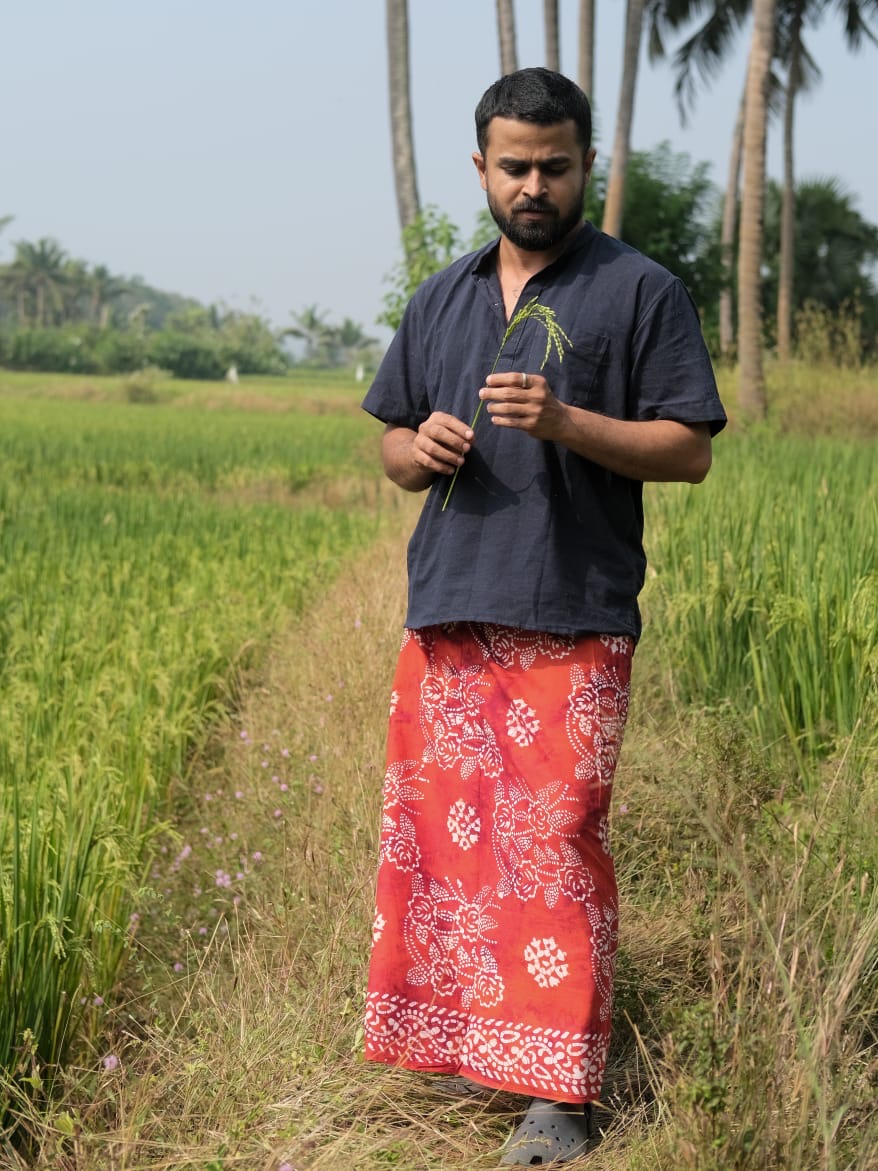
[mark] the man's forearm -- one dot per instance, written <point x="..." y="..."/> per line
<point x="657" y="449"/>
<point x="397" y="452"/>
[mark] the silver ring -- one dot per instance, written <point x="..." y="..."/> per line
<point x="523" y="381"/>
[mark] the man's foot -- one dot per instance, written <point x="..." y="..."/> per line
<point x="550" y="1133"/>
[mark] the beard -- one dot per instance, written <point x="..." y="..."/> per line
<point x="537" y="235"/>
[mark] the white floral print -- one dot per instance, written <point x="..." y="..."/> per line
<point x="546" y="962"/>
<point x="464" y="824"/>
<point x="522" y="723"/>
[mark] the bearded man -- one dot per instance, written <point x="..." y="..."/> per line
<point x="496" y="922"/>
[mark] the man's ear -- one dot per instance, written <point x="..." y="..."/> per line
<point x="479" y="160"/>
<point x="588" y="163"/>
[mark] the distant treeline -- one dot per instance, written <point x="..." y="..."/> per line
<point x="58" y="313"/>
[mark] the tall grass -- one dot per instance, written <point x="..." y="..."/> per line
<point x="765" y="591"/>
<point x="146" y="555"/>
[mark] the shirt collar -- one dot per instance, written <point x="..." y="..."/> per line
<point x="484" y="261"/>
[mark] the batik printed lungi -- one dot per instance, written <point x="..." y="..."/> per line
<point x="496" y="922"/>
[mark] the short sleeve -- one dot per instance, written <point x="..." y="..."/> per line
<point x="398" y="393"/>
<point x="671" y="373"/>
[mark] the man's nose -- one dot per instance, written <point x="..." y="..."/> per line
<point x="534" y="183"/>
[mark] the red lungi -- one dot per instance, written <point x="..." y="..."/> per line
<point x="496" y="923"/>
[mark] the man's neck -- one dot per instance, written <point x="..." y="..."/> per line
<point x="517" y="265"/>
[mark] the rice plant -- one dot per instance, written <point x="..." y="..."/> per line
<point x="145" y="557"/>
<point x="765" y="589"/>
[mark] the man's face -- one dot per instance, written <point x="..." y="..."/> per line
<point x="535" y="179"/>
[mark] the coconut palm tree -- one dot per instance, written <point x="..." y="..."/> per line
<point x="39" y="273"/>
<point x="103" y="289"/>
<point x="311" y="326"/>
<point x="612" y="222"/>
<point x="506" y="35"/>
<point x="402" y="140"/>
<point x="705" y="50"/>
<point x="553" y="42"/>
<point x="586" y="47"/>
<point x="751" y="384"/>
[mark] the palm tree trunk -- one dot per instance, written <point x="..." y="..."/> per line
<point x="751" y="385"/>
<point x="727" y="236"/>
<point x="615" y="200"/>
<point x="786" y="275"/>
<point x="553" y="45"/>
<point x="586" y="47"/>
<point x="506" y="34"/>
<point x="402" y="140"/>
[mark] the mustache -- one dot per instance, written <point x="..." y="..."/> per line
<point x="533" y="205"/>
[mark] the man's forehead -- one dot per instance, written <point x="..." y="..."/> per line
<point x="511" y="136"/>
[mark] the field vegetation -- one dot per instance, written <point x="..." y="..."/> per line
<point x="203" y="597"/>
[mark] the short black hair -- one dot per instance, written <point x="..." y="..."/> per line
<point x="534" y="95"/>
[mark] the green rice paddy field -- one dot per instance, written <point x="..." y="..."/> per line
<point x="154" y="541"/>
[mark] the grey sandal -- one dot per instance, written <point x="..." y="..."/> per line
<point x="550" y="1133"/>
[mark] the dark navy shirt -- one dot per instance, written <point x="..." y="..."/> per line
<point x="534" y="535"/>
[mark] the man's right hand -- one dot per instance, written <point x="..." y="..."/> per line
<point x="413" y="459"/>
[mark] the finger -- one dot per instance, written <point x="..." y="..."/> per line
<point x="516" y="379"/>
<point x="448" y="442"/>
<point x="503" y="394"/>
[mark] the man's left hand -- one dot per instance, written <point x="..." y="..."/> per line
<point x="532" y="407"/>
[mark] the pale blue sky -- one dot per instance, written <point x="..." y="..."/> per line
<point x="240" y="151"/>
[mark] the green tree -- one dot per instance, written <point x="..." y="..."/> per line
<point x="836" y="250"/>
<point x="103" y="290"/>
<point x="429" y="244"/>
<point x="38" y="278"/>
<point x="311" y="327"/>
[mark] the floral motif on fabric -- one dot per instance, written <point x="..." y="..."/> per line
<point x="447" y="935"/>
<point x="456" y="733"/>
<point x="522" y="723"/>
<point x="545" y="962"/>
<point x="464" y="824"/>
<point x="504" y="644"/>
<point x="547" y="1062"/>
<point x="399" y="844"/>
<point x="496" y="896"/>
<point x="596" y="715"/>
<point x="617" y="644"/>
<point x="604" y="923"/>
<point x="533" y="837"/>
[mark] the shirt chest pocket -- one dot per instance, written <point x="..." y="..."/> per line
<point x="584" y="369"/>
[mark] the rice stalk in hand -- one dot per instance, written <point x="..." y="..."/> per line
<point x="556" y="339"/>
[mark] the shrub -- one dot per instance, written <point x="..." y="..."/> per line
<point x="187" y="355"/>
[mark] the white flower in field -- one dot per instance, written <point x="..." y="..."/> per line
<point x="463" y="824"/>
<point x="545" y="962"/>
<point x="110" y="1062"/>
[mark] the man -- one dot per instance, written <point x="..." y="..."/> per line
<point x="496" y="924"/>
